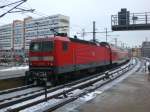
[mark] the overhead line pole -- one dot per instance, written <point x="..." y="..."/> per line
<point x="116" y="41"/>
<point x="106" y="34"/>
<point x="94" y="31"/>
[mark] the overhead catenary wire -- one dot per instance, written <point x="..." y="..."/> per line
<point x="41" y="14"/>
<point x="13" y="6"/>
<point x="24" y="9"/>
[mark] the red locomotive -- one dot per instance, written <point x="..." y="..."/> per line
<point x="57" y="57"/>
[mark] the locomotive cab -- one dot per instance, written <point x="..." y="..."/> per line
<point x="46" y="58"/>
<point x="41" y="60"/>
<point x="41" y="54"/>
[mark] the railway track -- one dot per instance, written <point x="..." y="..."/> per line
<point x="88" y="89"/>
<point x="19" y="94"/>
<point x="140" y="67"/>
<point x="15" y="89"/>
<point x="33" y="98"/>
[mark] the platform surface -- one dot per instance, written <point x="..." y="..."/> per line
<point x="131" y="95"/>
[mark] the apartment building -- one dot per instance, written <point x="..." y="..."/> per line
<point x="16" y="37"/>
<point x="136" y="52"/>
<point x="42" y="27"/>
<point x="6" y="37"/>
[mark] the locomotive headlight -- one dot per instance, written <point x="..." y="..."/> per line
<point x="48" y="58"/>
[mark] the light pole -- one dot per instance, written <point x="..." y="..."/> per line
<point x="106" y="34"/>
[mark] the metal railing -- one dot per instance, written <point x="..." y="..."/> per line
<point x="130" y="19"/>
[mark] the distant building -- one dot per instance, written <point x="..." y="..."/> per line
<point x="146" y="49"/>
<point x="6" y="38"/>
<point x="16" y="37"/>
<point x="136" y="52"/>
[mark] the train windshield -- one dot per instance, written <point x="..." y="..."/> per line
<point x="42" y="46"/>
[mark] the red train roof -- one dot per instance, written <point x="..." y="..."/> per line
<point x="52" y="38"/>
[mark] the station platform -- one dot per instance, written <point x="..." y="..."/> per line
<point x="12" y="72"/>
<point x="130" y="95"/>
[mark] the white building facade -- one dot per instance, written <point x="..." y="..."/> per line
<point x="6" y="38"/>
<point x="16" y="37"/>
<point x="41" y="27"/>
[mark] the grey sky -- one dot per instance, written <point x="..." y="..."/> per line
<point x="83" y="12"/>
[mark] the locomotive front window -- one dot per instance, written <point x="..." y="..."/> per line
<point x="47" y="46"/>
<point x="42" y="46"/>
<point x="35" y="46"/>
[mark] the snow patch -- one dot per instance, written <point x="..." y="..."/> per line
<point x="15" y="68"/>
<point x="90" y="96"/>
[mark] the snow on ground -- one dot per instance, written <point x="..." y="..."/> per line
<point x="45" y="105"/>
<point x="36" y="99"/>
<point x="15" y="68"/>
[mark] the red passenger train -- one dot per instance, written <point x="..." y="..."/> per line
<point x="56" y="57"/>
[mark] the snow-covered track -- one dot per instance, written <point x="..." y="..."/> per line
<point x="15" y="89"/>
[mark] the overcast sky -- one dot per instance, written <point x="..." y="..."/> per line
<point x="83" y="12"/>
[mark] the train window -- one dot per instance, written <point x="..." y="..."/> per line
<point x="47" y="46"/>
<point x="35" y="46"/>
<point x="42" y="46"/>
<point x="65" y="46"/>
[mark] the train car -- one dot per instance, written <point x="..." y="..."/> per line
<point x="57" y="57"/>
<point x="119" y="55"/>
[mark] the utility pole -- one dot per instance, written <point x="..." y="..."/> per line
<point x="106" y="34"/>
<point x="116" y="40"/>
<point x="94" y="31"/>
<point x="83" y="33"/>
<point x="123" y="45"/>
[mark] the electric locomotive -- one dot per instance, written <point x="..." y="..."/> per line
<point x="57" y="57"/>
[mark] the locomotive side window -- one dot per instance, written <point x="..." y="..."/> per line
<point x="65" y="46"/>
